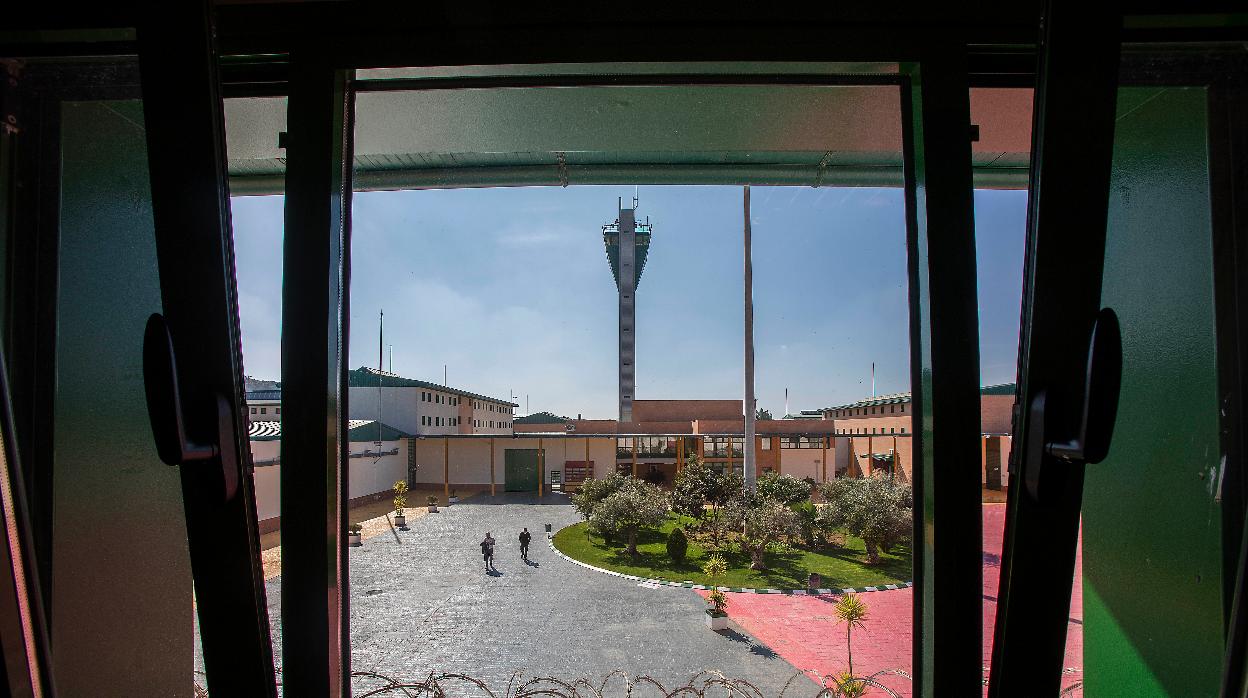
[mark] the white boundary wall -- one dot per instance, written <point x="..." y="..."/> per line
<point x="368" y="475"/>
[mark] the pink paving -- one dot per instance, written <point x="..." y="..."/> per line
<point x="803" y="631"/>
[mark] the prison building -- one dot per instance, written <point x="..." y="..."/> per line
<point x="425" y="409"/>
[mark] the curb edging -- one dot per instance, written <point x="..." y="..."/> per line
<point x="550" y="540"/>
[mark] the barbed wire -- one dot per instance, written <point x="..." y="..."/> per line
<point x="703" y="684"/>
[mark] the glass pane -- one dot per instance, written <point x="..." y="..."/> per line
<point x="450" y="233"/>
<point x="1000" y="235"/>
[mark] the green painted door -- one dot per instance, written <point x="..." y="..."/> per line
<point x="520" y="470"/>
<point x="1152" y="537"/>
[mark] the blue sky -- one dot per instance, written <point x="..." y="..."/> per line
<point x="509" y="289"/>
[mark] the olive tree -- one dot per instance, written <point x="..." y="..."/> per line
<point x="698" y="485"/>
<point x="637" y="505"/>
<point x="762" y="522"/>
<point x="785" y="489"/>
<point x="875" y="509"/>
<point x="594" y="490"/>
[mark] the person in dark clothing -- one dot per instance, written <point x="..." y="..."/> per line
<point x="487" y="551"/>
<point x="525" y="537"/>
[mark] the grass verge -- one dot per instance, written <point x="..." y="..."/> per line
<point x="839" y="567"/>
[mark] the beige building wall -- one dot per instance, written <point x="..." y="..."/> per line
<point x="804" y="462"/>
<point x="470" y="458"/>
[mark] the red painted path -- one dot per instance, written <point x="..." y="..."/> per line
<point x="803" y="630"/>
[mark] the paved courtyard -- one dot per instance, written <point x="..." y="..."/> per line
<point x="424" y="603"/>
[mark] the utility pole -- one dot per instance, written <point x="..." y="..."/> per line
<point x="751" y="474"/>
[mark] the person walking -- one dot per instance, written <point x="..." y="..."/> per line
<point x="525" y="537"/>
<point x="487" y="551"/>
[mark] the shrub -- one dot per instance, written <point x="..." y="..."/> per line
<point x="400" y="497"/>
<point x="654" y="477"/>
<point x="876" y="509"/>
<point x="785" y="489"/>
<point x="355" y="528"/>
<point x="432" y="500"/>
<point x="635" y="506"/>
<point x="677" y="546"/>
<point x="715" y="566"/>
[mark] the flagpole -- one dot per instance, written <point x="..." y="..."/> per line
<point x="750" y="414"/>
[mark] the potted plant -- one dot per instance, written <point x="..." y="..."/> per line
<point x="452" y="499"/>
<point x="354" y="537"/>
<point x="400" y="501"/>
<point x="433" y="504"/>
<point x="716" y="616"/>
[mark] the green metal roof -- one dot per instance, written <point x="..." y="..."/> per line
<point x="898" y="398"/>
<point x="999" y="389"/>
<point x="365" y="377"/>
<point x="371" y="430"/>
<point x="540" y="418"/>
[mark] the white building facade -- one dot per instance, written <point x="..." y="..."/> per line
<point x="426" y="409"/>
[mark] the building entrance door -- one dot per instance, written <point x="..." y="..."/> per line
<point x="520" y="474"/>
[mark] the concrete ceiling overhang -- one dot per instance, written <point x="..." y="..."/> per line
<point x="797" y="135"/>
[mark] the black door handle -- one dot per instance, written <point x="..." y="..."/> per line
<point x="167" y="412"/>
<point x="1102" y="384"/>
<point x="1099" y="411"/>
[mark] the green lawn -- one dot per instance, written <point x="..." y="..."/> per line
<point x="840" y="568"/>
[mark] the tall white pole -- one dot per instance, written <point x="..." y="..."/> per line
<point x="750" y="407"/>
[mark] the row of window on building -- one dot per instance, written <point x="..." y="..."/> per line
<point x="438" y="398"/>
<point x="429" y="421"/>
<point x="867" y="411"/>
<point x="265" y="410"/>
<point x="872" y="430"/>
<point x="493" y="424"/>
<point x="713" y="446"/>
<point x="482" y="405"/>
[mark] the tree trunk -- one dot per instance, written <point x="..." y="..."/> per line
<point x="632" y="544"/>
<point x="873" y="552"/>
<point x="756" y="557"/>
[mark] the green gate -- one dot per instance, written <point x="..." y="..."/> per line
<point x="520" y="471"/>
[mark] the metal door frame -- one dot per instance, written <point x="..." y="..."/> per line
<point x="178" y="84"/>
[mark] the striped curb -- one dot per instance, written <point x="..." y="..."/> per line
<point x="550" y="540"/>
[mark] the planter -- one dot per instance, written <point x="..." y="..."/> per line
<point x="716" y="620"/>
<point x="452" y="500"/>
<point x="355" y="540"/>
<point x="400" y="521"/>
<point x="433" y="508"/>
